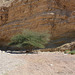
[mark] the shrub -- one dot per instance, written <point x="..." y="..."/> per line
<point x="30" y="39"/>
<point x="72" y="52"/>
<point x="66" y="51"/>
<point x="69" y="52"/>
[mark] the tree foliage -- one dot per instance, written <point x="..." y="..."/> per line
<point x="30" y="39"/>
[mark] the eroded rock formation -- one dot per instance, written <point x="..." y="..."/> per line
<point x="57" y="16"/>
<point x="3" y="15"/>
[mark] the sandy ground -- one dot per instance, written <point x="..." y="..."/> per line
<point x="43" y="63"/>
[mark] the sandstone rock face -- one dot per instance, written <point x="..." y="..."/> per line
<point x="3" y="15"/>
<point x="57" y="16"/>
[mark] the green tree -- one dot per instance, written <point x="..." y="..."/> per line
<point x="30" y="39"/>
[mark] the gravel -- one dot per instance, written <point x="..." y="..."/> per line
<point x="8" y="62"/>
<point x="43" y="63"/>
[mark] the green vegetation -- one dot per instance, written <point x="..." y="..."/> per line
<point x="66" y="51"/>
<point x="69" y="52"/>
<point x="72" y="52"/>
<point x="30" y="40"/>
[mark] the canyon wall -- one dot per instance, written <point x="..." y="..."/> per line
<point x="3" y="15"/>
<point x="57" y="16"/>
<point x="5" y="3"/>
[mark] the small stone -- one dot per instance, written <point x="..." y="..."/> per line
<point x="0" y="51"/>
<point x="51" y="64"/>
<point x="51" y="13"/>
<point x="65" y="54"/>
<point x="3" y="51"/>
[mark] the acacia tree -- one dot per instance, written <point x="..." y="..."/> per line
<point x="30" y="40"/>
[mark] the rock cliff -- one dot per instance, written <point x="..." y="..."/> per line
<point x="57" y="16"/>
<point x="5" y="3"/>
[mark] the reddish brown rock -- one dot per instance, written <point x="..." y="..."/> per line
<point x="3" y="15"/>
<point x="57" y="16"/>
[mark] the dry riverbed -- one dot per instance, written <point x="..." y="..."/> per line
<point x="43" y="63"/>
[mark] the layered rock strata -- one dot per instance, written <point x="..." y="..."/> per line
<point x="57" y="16"/>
